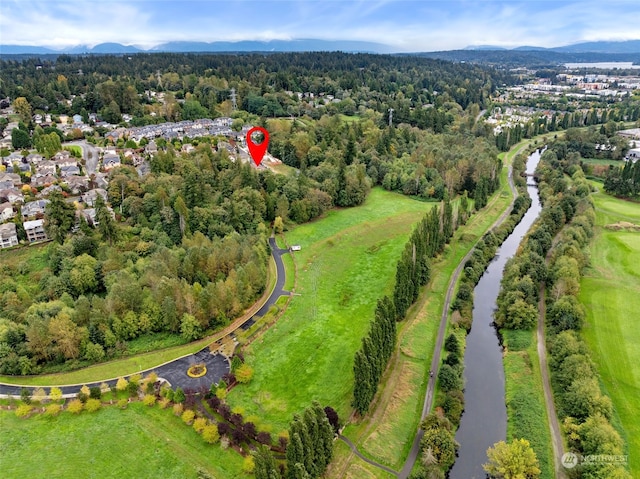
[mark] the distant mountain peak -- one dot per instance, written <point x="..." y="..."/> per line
<point x="295" y="45"/>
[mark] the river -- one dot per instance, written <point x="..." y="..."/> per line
<point x="484" y="421"/>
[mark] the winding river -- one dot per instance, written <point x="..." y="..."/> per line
<point x="484" y="421"/>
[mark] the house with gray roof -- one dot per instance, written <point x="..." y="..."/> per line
<point x="8" y="235"/>
<point x="6" y="211"/>
<point x="12" y="195"/>
<point x="90" y="196"/>
<point x="34" y="208"/>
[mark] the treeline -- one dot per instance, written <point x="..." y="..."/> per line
<point x="403" y="159"/>
<point x="412" y="272"/>
<point x="586" y="412"/>
<point x="518" y="298"/>
<point x="609" y="117"/>
<point x="568" y="215"/>
<point x="624" y="180"/>
<point x="116" y="84"/>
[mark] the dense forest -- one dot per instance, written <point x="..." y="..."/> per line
<point x="261" y="81"/>
<point x="186" y="248"/>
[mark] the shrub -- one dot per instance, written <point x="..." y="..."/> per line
<point x="132" y="388"/>
<point x="179" y="396"/>
<point x="55" y="394"/>
<point x="85" y="390"/>
<point x="93" y="405"/>
<point x="244" y="373"/>
<point x="123" y="403"/>
<point x="188" y="416"/>
<point x="199" y="424"/>
<point x="248" y="465"/>
<point x="210" y="434"/>
<point x="333" y="418"/>
<point x="95" y="392"/>
<point x="76" y="406"/>
<point x="39" y="395"/>
<point x="122" y="384"/>
<point x="149" y="399"/>
<point x="24" y="410"/>
<point x="221" y="393"/>
<point x="178" y="409"/>
<point x="53" y="410"/>
<point x="164" y="403"/>
<point x="264" y="437"/>
<point x="25" y="396"/>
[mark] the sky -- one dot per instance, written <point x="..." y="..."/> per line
<point x="419" y="25"/>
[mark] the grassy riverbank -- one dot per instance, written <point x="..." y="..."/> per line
<point x="526" y="411"/>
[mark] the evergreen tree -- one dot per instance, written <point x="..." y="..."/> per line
<point x="59" y="217"/>
<point x="106" y="223"/>
<point x="266" y="466"/>
<point x="295" y="455"/>
<point x="325" y="433"/>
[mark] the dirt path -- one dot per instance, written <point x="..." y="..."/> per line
<point x="552" y="416"/>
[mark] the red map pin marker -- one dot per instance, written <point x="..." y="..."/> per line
<point x="257" y="151"/>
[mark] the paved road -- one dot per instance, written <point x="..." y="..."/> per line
<point x="90" y="153"/>
<point x="279" y="287"/>
<point x="175" y="371"/>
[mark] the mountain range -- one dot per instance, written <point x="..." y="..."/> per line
<point x="298" y="45"/>
<point x="629" y="46"/>
<point x="303" y="45"/>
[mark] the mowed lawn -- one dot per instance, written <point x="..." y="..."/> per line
<point x="138" y="442"/>
<point x="347" y="261"/>
<point x="610" y="292"/>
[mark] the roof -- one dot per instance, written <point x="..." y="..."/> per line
<point x="32" y="224"/>
<point x="7" y="230"/>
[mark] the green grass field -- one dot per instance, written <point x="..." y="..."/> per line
<point x="526" y="411"/>
<point x="347" y="262"/>
<point x="610" y="291"/>
<point x="386" y="434"/>
<point x="599" y="161"/>
<point x="138" y="442"/>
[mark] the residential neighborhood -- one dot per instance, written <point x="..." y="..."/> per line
<point x="27" y="178"/>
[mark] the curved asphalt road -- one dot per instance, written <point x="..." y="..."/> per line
<point x="175" y="371"/>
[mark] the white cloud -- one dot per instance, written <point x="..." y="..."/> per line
<point x="407" y="25"/>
